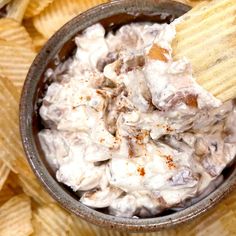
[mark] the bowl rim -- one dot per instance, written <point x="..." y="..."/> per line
<point x="50" y="184"/>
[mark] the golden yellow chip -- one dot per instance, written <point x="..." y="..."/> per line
<point x="12" y="31"/>
<point x="35" y="7"/>
<point x="60" y="12"/>
<point x="13" y="183"/>
<point x="8" y="161"/>
<point x="206" y="36"/>
<point x="39" y="230"/>
<point x="4" y="172"/>
<point x="198" y="30"/>
<point x="16" y="9"/>
<point x="32" y="188"/>
<point x="39" y="42"/>
<point x="83" y="228"/>
<point x="51" y="220"/>
<point x="10" y="88"/>
<point x="5" y="194"/>
<point x="15" y="61"/>
<point x="38" y="39"/>
<point x="220" y="79"/>
<point x="10" y="188"/>
<point x="9" y="132"/>
<point x="15" y="217"/>
<point x="15" y="158"/>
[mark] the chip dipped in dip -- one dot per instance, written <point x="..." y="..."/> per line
<point x="129" y="129"/>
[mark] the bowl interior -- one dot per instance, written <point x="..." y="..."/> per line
<point x="59" y="48"/>
<point x="111" y="23"/>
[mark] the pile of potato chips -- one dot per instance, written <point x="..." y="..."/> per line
<point x="25" y="208"/>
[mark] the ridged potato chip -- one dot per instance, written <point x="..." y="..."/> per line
<point x="10" y="188"/>
<point x="207" y="39"/>
<point x="15" y="158"/>
<point x="15" y="61"/>
<point x="38" y="39"/>
<point x="5" y="194"/>
<point x="13" y="183"/>
<point x="32" y="188"/>
<point x="15" y="217"/>
<point x="223" y="82"/>
<point x="4" y="172"/>
<point x="35" y="7"/>
<point x="9" y="132"/>
<point x="83" y="228"/>
<point x="39" y="230"/>
<point x="51" y="220"/>
<point x="12" y="31"/>
<point x="60" y="12"/>
<point x="8" y="161"/>
<point x="39" y="42"/>
<point x="16" y="9"/>
<point x="12" y="144"/>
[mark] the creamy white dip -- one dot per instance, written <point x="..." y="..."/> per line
<point x="128" y="128"/>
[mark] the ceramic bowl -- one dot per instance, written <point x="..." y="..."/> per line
<point x="60" y="46"/>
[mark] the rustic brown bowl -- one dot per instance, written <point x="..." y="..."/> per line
<point x="59" y="48"/>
